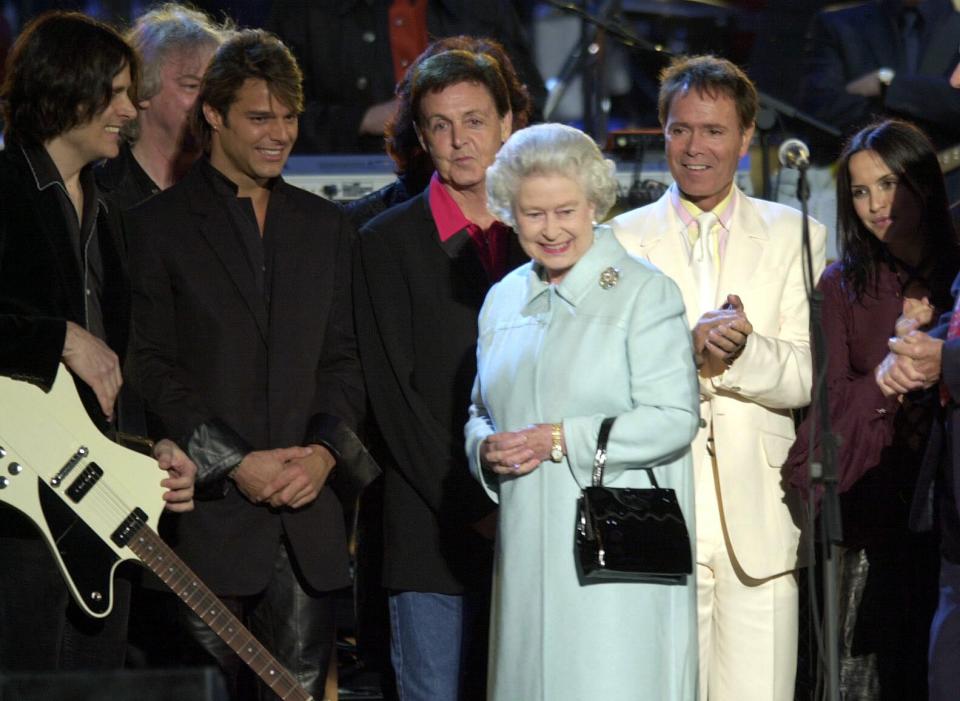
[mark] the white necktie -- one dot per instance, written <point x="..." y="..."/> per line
<point x="704" y="267"/>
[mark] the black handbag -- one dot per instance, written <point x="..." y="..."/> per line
<point x="630" y="534"/>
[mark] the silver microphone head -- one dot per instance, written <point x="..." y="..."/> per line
<point x="794" y="154"/>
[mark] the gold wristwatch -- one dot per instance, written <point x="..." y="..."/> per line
<point x="556" y="450"/>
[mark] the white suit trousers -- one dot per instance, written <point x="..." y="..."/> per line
<point x="747" y="627"/>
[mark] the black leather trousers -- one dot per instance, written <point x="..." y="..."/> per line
<point x="294" y="622"/>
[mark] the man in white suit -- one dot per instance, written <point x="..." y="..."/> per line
<point x="739" y="265"/>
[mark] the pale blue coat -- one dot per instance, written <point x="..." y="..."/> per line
<point x="576" y="353"/>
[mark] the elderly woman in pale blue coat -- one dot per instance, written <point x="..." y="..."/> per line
<point x="582" y="332"/>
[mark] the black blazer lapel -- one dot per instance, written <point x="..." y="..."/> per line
<point x="295" y="247"/>
<point x="217" y="230"/>
<point x="881" y="35"/>
<point x="50" y="214"/>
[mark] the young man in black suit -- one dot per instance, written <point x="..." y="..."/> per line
<point x="245" y="351"/>
<point x="64" y="299"/>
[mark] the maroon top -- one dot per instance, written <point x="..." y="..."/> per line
<point x="881" y="440"/>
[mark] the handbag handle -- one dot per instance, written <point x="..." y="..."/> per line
<point x="600" y="458"/>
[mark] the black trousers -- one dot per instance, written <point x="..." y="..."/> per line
<point x="294" y="622"/>
<point x="41" y="627"/>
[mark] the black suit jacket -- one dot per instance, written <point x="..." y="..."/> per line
<point x="417" y="301"/>
<point x="42" y="279"/>
<point x="845" y="44"/>
<point x="225" y="374"/>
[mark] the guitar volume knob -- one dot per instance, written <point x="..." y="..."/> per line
<point x="4" y="482"/>
<point x="15" y="468"/>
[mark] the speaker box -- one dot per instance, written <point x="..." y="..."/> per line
<point x="194" y="684"/>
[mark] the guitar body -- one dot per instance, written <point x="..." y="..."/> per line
<point x="97" y="504"/>
<point x="42" y="433"/>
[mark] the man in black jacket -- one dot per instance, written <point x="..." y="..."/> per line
<point x="64" y="298"/>
<point x="422" y="270"/>
<point x="884" y="58"/>
<point x="244" y="350"/>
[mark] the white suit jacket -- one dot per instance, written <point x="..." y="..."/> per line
<point x="749" y="404"/>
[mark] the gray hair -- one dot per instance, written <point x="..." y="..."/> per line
<point x="550" y="149"/>
<point x="164" y="30"/>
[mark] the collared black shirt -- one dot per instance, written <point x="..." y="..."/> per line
<point x="123" y="182"/>
<point x="82" y="230"/>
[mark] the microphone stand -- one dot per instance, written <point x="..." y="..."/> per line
<point x="824" y="473"/>
<point x="770" y="107"/>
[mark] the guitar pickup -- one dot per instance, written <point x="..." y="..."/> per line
<point x="131" y="524"/>
<point x="84" y="482"/>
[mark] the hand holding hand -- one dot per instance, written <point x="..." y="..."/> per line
<point x="181" y="474"/>
<point x="913" y="363"/>
<point x="518" y="452"/>
<point x="925" y="351"/>
<point x="896" y="375"/>
<point x="256" y="472"/>
<point x="301" y="479"/>
<point x="720" y="336"/>
<point x="92" y="361"/>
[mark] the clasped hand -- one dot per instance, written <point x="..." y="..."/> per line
<point x="719" y="337"/>
<point x="518" y="452"/>
<point x="914" y="359"/>
<point x="291" y="477"/>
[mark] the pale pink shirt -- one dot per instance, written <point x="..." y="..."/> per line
<point x="688" y="213"/>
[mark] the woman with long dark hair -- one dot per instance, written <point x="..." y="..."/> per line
<point x="899" y="255"/>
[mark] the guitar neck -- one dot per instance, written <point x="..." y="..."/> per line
<point x="158" y="556"/>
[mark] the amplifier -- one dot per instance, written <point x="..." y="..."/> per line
<point x="340" y="178"/>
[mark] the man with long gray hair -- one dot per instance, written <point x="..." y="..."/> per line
<point x="175" y="44"/>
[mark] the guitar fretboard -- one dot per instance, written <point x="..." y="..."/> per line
<point x="158" y="556"/>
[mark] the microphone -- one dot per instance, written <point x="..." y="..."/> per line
<point x="794" y="154"/>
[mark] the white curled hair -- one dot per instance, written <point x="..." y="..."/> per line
<point x="550" y="149"/>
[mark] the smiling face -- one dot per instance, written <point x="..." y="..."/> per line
<point x="554" y="222"/>
<point x="252" y="143"/>
<point x="460" y="128"/>
<point x="704" y="143"/>
<point x="167" y="112"/>
<point x="888" y="209"/>
<point x="99" y="137"/>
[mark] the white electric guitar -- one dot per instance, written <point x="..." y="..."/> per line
<point x="97" y="504"/>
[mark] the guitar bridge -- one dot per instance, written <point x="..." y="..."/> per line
<point x="131" y="524"/>
<point x="75" y="459"/>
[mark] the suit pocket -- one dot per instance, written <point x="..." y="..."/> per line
<point x="775" y="448"/>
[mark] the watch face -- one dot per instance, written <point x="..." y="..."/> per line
<point x="556" y="453"/>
